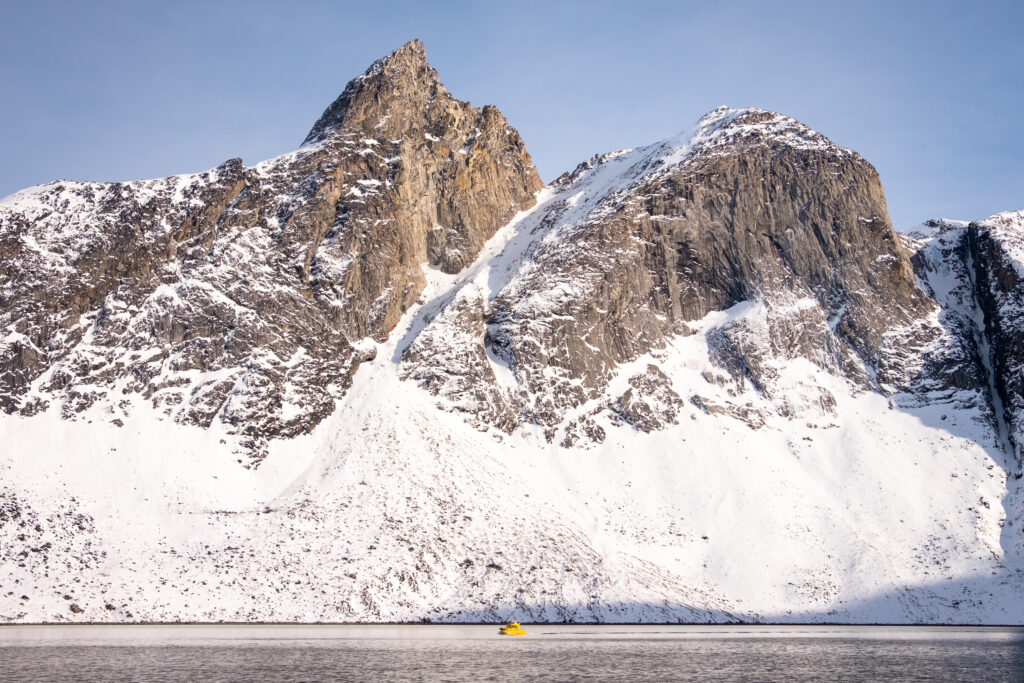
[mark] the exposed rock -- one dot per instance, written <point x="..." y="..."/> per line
<point x="749" y="415"/>
<point x="941" y="356"/>
<point x="583" y="431"/>
<point x="650" y="403"/>
<point x="452" y="360"/>
<point x="462" y="173"/>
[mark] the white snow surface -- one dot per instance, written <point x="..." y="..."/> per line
<point x="395" y="508"/>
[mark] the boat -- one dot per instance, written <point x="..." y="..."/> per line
<point x="512" y="628"/>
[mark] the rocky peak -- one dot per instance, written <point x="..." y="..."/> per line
<point x="391" y="95"/>
<point x="243" y="298"/>
<point x="435" y="145"/>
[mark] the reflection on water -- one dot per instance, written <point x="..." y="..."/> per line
<point x="477" y="653"/>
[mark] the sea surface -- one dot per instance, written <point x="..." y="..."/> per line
<point x="477" y="653"/>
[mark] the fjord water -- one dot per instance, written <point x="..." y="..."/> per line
<point x="477" y="653"/>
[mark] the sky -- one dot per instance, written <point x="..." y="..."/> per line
<point x="932" y="94"/>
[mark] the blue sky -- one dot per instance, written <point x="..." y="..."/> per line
<point x="931" y="94"/>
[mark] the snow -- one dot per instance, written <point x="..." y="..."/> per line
<point x="933" y="228"/>
<point x="718" y="131"/>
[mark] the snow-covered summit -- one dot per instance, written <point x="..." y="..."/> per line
<point x="1009" y="221"/>
<point x="933" y="227"/>
<point x="726" y="130"/>
<point x="722" y="131"/>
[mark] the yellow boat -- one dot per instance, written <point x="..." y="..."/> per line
<point x="512" y="628"/>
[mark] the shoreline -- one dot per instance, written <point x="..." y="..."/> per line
<point x="499" y="623"/>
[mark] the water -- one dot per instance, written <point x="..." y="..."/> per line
<point x="477" y="653"/>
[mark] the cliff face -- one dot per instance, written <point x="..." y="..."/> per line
<point x="241" y="295"/>
<point x="997" y="249"/>
<point x="632" y="248"/>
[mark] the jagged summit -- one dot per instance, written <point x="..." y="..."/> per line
<point x="411" y="54"/>
<point x="394" y="86"/>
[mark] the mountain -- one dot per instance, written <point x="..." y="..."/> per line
<point x="391" y="376"/>
<point x="249" y="296"/>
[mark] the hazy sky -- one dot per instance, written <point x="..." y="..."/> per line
<point x="932" y="95"/>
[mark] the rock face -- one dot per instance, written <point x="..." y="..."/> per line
<point x="635" y="246"/>
<point x="241" y="295"/>
<point x="971" y="269"/>
<point x="996" y="247"/>
<point x="390" y="377"/>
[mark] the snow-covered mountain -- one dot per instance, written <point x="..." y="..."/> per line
<point x="392" y="377"/>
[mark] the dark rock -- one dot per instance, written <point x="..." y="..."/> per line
<point x="650" y="404"/>
<point x="996" y="246"/>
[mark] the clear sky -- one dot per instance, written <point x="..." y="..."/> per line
<point x="931" y="93"/>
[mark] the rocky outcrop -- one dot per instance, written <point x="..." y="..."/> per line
<point x="650" y="403"/>
<point x="450" y="359"/>
<point x="462" y="171"/>
<point x="966" y="356"/>
<point x="244" y="296"/>
<point x="942" y="358"/>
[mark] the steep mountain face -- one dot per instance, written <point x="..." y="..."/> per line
<point x="997" y="248"/>
<point x="242" y="295"/>
<point x="970" y="269"/>
<point x="391" y="377"/>
<point x="635" y="246"/>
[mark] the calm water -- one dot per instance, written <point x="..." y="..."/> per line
<point x="477" y="653"/>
